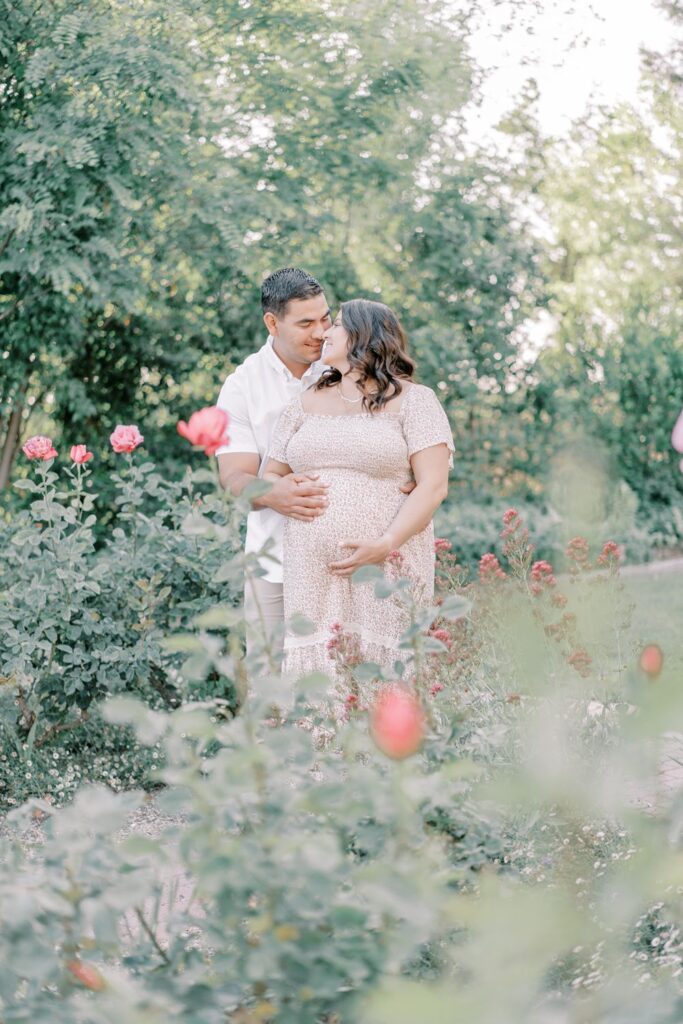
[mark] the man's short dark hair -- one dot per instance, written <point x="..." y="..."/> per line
<point x="283" y="285"/>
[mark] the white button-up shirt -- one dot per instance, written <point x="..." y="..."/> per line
<point x="253" y="397"/>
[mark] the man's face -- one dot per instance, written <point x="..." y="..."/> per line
<point x="299" y="332"/>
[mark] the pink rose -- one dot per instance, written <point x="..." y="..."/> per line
<point x="39" y="448"/>
<point x="397" y="722"/>
<point x="207" y="429"/>
<point x="126" y="438"/>
<point x="677" y="434"/>
<point x="80" y="454"/>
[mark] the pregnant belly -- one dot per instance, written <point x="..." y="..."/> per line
<point x="360" y="507"/>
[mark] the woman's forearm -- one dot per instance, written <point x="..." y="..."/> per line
<point x="416" y="513"/>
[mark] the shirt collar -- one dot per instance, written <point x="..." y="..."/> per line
<point x="312" y="373"/>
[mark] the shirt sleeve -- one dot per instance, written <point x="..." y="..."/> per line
<point x="240" y="433"/>
<point x="286" y="427"/>
<point x="425" y="423"/>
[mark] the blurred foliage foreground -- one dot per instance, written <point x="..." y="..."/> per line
<point x="524" y="865"/>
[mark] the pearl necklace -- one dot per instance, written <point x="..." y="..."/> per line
<point x="351" y="401"/>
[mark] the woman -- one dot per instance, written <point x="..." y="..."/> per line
<point x="363" y="428"/>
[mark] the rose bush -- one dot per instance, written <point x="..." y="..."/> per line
<point x="80" y="620"/>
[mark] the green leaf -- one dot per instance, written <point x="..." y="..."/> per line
<point x="256" y="489"/>
<point x="367" y="573"/>
<point x="232" y="570"/>
<point x="367" y="671"/>
<point x="221" y="616"/>
<point x="203" y="476"/>
<point x="433" y="646"/>
<point x="455" y="607"/>
<point x="313" y="683"/>
<point x="384" y="588"/>
<point x="184" y="643"/>
<point x="348" y="917"/>
<point x="301" y="626"/>
<point x="196" y="666"/>
<point x="197" y="525"/>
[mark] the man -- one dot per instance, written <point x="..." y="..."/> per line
<point x="296" y="315"/>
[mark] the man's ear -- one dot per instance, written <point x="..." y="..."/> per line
<point x="270" y="320"/>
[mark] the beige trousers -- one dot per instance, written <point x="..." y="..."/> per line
<point x="264" y="614"/>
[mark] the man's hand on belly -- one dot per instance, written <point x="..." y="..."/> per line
<point x="298" y="495"/>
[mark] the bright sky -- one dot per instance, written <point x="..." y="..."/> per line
<point x="602" y="64"/>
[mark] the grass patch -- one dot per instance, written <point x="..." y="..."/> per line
<point x="658" y="614"/>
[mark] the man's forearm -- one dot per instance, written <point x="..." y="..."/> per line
<point x="236" y="482"/>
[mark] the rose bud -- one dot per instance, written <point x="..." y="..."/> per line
<point x="651" y="660"/>
<point x="87" y="974"/>
<point x="80" y="454"/>
<point x="397" y="723"/>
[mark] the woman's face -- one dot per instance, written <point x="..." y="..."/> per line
<point x="336" y="346"/>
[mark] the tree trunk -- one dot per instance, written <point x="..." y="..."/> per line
<point x="11" y="445"/>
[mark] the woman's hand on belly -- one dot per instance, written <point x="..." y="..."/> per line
<point x="366" y="552"/>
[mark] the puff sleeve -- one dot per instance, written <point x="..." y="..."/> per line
<point x="425" y="422"/>
<point x="286" y="427"/>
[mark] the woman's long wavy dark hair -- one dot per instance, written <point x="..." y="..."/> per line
<point x="377" y="352"/>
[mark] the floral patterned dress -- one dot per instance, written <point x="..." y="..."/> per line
<point x="364" y="457"/>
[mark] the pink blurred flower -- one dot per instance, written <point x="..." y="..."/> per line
<point x="542" y="576"/>
<point x="207" y="429"/>
<point x="581" y="660"/>
<point x="610" y="555"/>
<point x="441" y="544"/>
<point x="677" y="434"/>
<point x="651" y="660"/>
<point x="80" y="454"/>
<point x="577" y="551"/>
<point x="126" y="438"/>
<point x="443" y="635"/>
<point x="397" y="722"/>
<point x="490" y="569"/>
<point x="87" y="974"/>
<point x="39" y="448"/>
<point x="395" y="559"/>
<point x="435" y="688"/>
<point x="509" y="515"/>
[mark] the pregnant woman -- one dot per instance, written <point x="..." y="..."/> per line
<point x="363" y="428"/>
